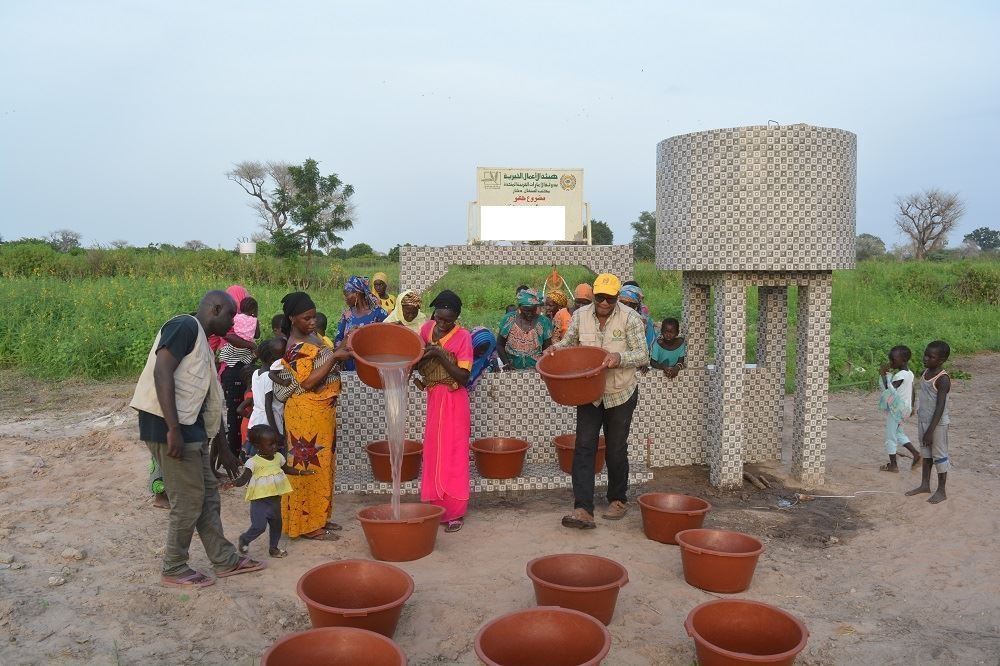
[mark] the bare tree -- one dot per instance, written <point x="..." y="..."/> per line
<point x="927" y="217"/>
<point x="194" y="245"/>
<point x="120" y="244"/>
<point x="261" y="180"/>
<point x="64" y="240"/>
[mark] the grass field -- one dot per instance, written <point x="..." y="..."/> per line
<point x="59" y="326"/>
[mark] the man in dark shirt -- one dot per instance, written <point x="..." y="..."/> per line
<point x="182" y="452"/>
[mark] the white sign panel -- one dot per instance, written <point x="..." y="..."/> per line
<point x="521" y="223"/>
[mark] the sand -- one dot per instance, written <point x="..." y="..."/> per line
<point x="881" y="579"/>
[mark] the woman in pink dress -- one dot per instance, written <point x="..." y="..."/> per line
<point x="445" y="369"/>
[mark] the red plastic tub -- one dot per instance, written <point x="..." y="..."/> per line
<point x="544" y="636"/>
<point x="500" y="457"/>
<point x="566" y="447"/>
<point x="334" y="646"/>
<point x="666" y="514"/>
<point x="574" y="375"/>
<point x="718" y="560"/>
<point x="378" y="457"/>
<point x="407" y="538"/>
<point x="737" y="632"/>
<point x="386" y="343"/>
<point x="587" y="583"/>
<point x="355" y="593"/>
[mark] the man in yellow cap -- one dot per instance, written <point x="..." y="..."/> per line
<point x="619" y="330"/>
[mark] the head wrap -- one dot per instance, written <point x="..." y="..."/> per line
<point x="357" y="284"/>
<point x="481" y="362"/>
<point x="448" y="300"/>
<point x="584" y="291"/>
<point x="630" y="293"/>
<point x="409" y="298"/>
<point x="296" y="303"/>
<point x="558" y="298"/>
<point x="238" y="293"/>
<point x="380" y="276"/>
<point x="528" y="299"/>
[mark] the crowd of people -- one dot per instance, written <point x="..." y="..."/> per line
<point x="214" y="394"/>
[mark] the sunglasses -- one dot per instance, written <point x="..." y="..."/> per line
<point x="605" y="298"/>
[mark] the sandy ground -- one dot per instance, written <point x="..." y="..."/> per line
<point x="881" y="579"/>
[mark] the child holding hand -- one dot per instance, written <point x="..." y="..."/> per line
<point x="264" y="476"/>
<point x="896" y="401"/>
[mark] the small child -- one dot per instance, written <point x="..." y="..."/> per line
<point x="276" y="325"/>
<point x="264" y="477"/>
<point x="933" y="421"/>
<point x="669" y="350"/>
<point x="897" y="403"/>
<point x="245" y="326"/>
<point x="321" y="323"/>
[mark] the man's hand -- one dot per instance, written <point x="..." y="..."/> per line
<point x="225" y="456"/>
<point x="614" y="360"/>
<point x="175" y="443"/>
<point x="928" y="439"/>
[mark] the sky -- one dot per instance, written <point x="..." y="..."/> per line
<point x="119" y="120"/>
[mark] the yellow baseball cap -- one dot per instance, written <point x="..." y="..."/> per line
<point x="608" y="284"/>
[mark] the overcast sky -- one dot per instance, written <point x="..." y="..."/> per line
<point x="120" y="119"/>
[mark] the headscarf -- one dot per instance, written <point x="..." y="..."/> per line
<point x="396" y="316"/>
<point x="357" y="284"/>
<point x="630" y="293"/>
<point x="558" y="298"/>
<point x="528" y="299"/>
<point x="448" y="300"/>
<point x="380" y="276"/>
<point x="481" y="362"/>
<point x="584" y="291"/>
<point x="238" y="293"/>
<point x="296" y="303"/>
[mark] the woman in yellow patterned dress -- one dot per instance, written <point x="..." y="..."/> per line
<point x="310" y="421"/>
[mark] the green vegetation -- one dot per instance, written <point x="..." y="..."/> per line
<point x="94" y="314"/>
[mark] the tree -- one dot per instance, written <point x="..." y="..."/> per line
<point x="64" y="240"/>
<point x="868" y="246"/>
<point x="984" y="238"/>
<point x="338" y="253"/>
<point x="318" y="206"/>
<point x="360" y="250"/>
<point x="120" y="244"/>
<point x="644" y="239"/>
<point x="194" y="245"/>
<point x="262" y="180"/>
<point x="600" y="232"/>
<point x="927" y="217"/>
<point x="394" y="252"/>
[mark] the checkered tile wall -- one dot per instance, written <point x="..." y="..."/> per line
<point x="756" y="198"/>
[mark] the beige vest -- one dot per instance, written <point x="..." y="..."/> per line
<point x="196" y="385"/>
<point x="611" y="339"/>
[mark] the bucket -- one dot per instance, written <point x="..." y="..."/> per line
<point x="543" y="636"/>
<point x="566" y="447"/>
<point x="384" y="343"/>
<point x="334" y="646"/>
<point x="409" y="538"/>
<point x="587" y="583"/>
<point x="500" y="457"/>
<point x="355" y="593"/>
<point x="574" y="375"/>
<point x="378" y="457"/>
<point x="728" y="632"/>
<point x="718" y="560"/>
<point x="666" y="514"/>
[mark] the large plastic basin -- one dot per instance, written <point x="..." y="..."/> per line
<point x="574" y="375"/>
<point x="334" y="646"/>
<point x="383" y="342"/>
<point x="410" y="537"/>
<point x="355" y="593"/>
<point x="736" y="632"/>
<point x="544" y="636"/>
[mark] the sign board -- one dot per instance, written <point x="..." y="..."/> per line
<point x="527" y="204"/>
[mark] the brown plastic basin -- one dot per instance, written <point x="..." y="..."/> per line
<point x="566" y="447"/>
<point x="718" y="560"/>
<point x="378" y="457"/>
<point x="666" y="514"/>
<point x="728" y="632"/>
<point x="587" y="583"/>
<point x="355" y="593"/>
<point x="409" y="538"/>
<point x="574" y="375"/>
<point x="334" y="646"/>
<point x="385" y="342"/>
<point x="543" y="636"/>
<point x="500" y="457"/>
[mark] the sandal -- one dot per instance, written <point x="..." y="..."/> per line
<point x="580" y="520"/>
<point x="242" y="548"/>
<point x="245" y="565"/>
<point x="332" y="526"/>
<point x="887" y="468"/>
<point x="454" y="525"/>
<point x="191" y="580"/>
<point x="278" y="552"/>
<point x="320" y="535"/>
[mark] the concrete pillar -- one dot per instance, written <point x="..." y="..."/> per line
<point x="772" y="340"/>
<point x="725" y="446"/>
<point x="694" y="326"/>
<point x="812" y="358"/>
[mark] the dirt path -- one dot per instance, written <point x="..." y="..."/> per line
<point x="882" y="579"/>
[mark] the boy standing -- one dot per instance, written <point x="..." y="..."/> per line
<point x="933" y="421"/>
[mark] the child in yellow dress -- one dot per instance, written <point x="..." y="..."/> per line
<point x="264" y="477"/>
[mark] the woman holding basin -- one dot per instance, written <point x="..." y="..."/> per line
<point x="621" y="331"/>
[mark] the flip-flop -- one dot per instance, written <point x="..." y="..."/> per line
<point x="324" y="536"/>
<point x="194" y="580"/>
<point x="278" y="552"/>
<point x="453" y="525"/>
<point x="573" y="521"/>
<point x="886" y="468"/>
<point x="333" y="527"/>
<point x="245" y="565"/>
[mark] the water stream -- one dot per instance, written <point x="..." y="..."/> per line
<point x="394" y="370"/>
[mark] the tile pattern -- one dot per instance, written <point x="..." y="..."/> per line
<point x="812" y="354"/>
<point x="757" y="198"/>
<point x="421" y="267"/>
<point x="726" y="434"/>
<point x="764" y="441"/>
